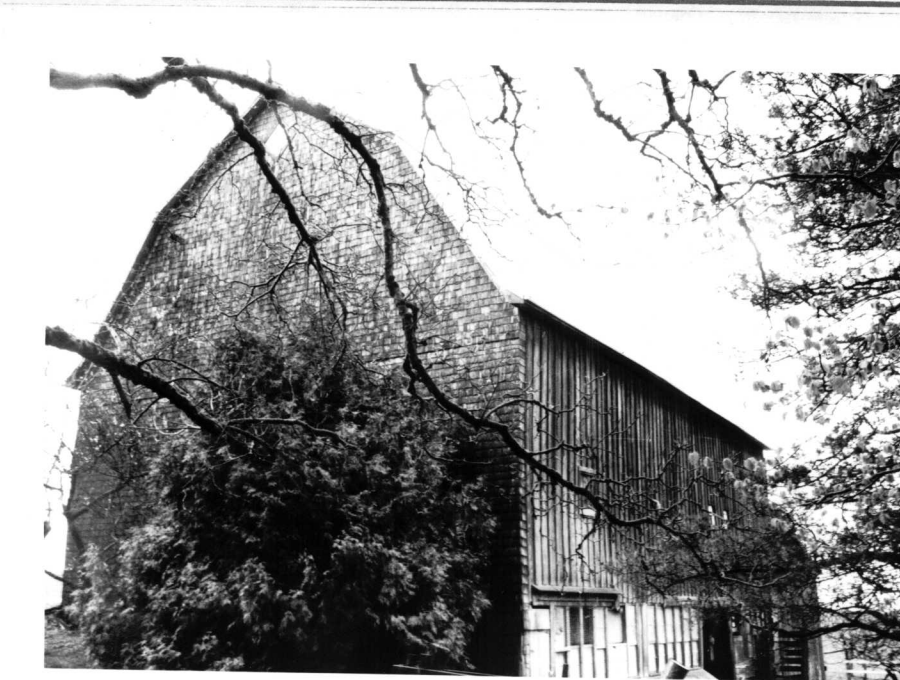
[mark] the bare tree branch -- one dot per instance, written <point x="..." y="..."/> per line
<point x="295" y="422"/>
<point x="57" y="337"/>
<point x="675" y="116"/>
<point x="508" y="89"/>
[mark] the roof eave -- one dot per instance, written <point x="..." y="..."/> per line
<point x="536" y="309"/>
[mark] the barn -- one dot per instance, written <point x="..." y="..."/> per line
<point x="223" y="252"/>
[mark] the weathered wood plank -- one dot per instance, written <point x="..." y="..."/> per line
<point x="631" y="420"/>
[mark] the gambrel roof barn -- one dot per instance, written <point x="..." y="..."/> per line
<point x="223" y="252"/>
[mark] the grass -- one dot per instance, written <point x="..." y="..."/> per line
<point x="63" y="646"/>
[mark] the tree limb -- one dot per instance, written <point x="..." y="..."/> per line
<point x="116" y="365"/>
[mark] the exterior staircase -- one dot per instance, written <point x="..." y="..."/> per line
<point x="791" y="659"/>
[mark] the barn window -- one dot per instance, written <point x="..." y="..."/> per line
<point x="628" y="642"/>
<point x="583" y="640"/>
<point x="588" y="475"/>
<point x="599" y="642"/>
<point x="580" y="628"/>
<point x="716" y="519"/>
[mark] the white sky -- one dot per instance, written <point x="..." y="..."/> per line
<point x="85" y="172"/>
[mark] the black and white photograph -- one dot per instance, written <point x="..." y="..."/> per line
<point x="488" y="339"/>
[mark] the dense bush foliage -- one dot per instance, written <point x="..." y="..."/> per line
<point x="349" y="543"/>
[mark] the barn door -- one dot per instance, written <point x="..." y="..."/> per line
<point x="718" y="657"/>
<point x="574" y="631"/>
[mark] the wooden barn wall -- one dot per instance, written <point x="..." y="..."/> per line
<point x="629" y="421"/>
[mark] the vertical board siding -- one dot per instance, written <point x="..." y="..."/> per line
<point x="628" y="422"/>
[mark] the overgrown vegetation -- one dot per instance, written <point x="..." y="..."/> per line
<point x="348" y="534"/>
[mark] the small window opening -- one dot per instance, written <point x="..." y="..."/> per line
<point x="580" y="630"/>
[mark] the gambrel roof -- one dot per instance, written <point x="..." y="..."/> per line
<point x="171" y="212"/>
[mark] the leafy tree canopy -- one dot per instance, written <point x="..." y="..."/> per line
<point x="836" y="166"/>
<point x="822" y="180"/>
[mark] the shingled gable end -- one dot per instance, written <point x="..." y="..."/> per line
<point x="550" y="614"/>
